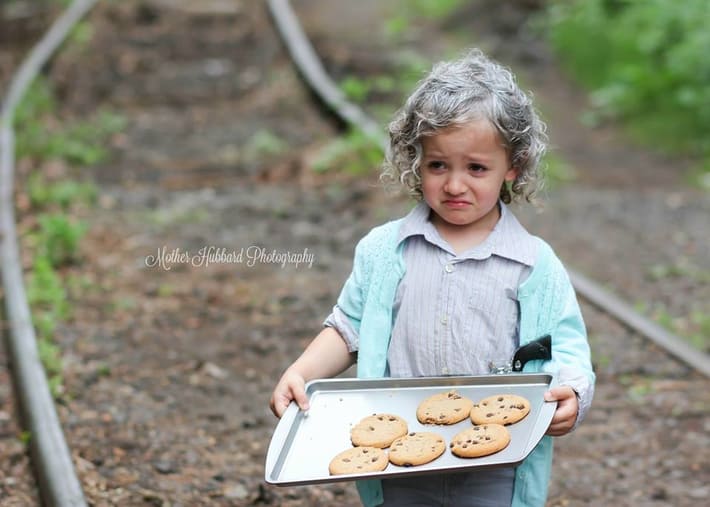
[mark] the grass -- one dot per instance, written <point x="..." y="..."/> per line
<point x="59" y="239"/>
<point x="55" y="239"/>
<point x="41" y="137"/>
<point x="62" y="194"/>
<point x="45" y="291"/>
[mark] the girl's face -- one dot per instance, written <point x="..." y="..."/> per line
<point x="462" y="170"/>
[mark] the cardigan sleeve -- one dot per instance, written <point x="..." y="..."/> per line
<point x="351" y="301"/>
<point x="373" y="253"/>
<point x="549" y="306"/>
<point x="572" y="353"/>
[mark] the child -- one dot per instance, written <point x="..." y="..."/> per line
<point x="458" y="284"/>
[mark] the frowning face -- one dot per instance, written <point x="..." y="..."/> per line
<point x="462" y="170"/>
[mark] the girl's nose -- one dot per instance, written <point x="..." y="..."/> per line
<point x="454" y="184"/>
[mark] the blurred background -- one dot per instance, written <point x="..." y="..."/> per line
<point x="164" y="130"/>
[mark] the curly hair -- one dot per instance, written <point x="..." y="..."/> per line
<point x="471" y="88"/>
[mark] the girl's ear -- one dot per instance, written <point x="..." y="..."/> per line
<point x="512" y="174"/>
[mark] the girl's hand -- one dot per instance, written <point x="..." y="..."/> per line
<point x="566" y="414"/>
<point x="291" y="387"/>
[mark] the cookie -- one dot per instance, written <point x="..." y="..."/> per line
<point x="500" y="409"/>
<point x="416" y="448"/>
<point x="378" y="430"/>
<point x="444" y="408"/>
<point x="480" y="441"/>
<point x="358" y="460"/>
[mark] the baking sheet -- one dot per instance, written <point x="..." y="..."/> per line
<point x="303" y="443"/>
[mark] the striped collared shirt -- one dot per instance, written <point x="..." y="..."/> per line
<point x="453" y="314"/>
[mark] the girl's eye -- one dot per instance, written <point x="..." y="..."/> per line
<point x="435" y="164"/>
<point x="476" y="168"/>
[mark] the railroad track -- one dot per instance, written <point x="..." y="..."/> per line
<point x="57" y="480"/>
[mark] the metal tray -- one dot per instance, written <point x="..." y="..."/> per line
<point x="303" y="443"/>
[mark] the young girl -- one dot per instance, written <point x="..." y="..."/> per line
<point x="458" y="284"/>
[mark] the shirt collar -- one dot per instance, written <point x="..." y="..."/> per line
<point x="509" y="239"/>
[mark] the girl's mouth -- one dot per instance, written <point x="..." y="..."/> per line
<point x="456" y="203"/>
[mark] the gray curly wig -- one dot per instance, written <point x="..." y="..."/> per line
<point x="470" y="88"/>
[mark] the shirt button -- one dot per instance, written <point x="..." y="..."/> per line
<point x="444" y="320"/>
<point x="449" y="268"/>
<point x="445" y="370"/>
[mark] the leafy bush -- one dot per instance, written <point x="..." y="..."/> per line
<point x="646" y="63"/>
<point x="60" y="238"/>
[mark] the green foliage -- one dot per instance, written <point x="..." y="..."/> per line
<point x="45" y="291"/>
<point x="354" y="153"/>
<point x="396" y="26"/>
<point x="556" y="170"/>
<point x="37" y="101"/>
<point x="81" y="35"/>
<point x="693" y="326"/>
<point x="26" y="437"/>
<point x="51" y="357"/>
<point x="357" y="89"/>
<point x="433" y="9"/>
<point x="48" y="300"/>
<point x="38" y="136"/>
<point x="645" y="62"/>
<point x="60" y="238"/>
<point x="409" y="12"/>
<point x="41" y="137"/>
<point x="262" y="144"/>
<point x="64" y="194"/>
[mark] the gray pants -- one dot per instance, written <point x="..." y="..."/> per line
<point x="484" y="488"/>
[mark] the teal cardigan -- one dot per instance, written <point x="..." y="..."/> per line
<point x="548" y="305"/>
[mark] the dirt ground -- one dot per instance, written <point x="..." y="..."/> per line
<point x="170" y="356"/>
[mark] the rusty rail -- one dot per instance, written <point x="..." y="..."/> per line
<point x="51" y="458"/>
